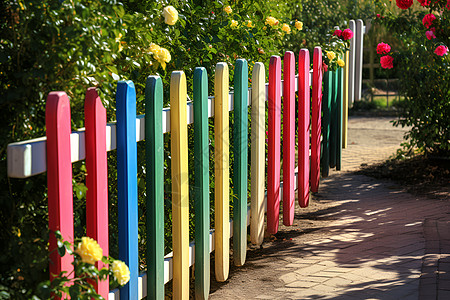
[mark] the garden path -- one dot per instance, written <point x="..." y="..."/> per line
<point x="360" y="238"/>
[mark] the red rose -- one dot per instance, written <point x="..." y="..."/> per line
<point x="347" y="34"/>
<point x="383" y="48"/>
<point x="428" y="20"/>
<point x="404" y="4"/>
<point x="424" y="3"/>
<point x="337" y="32"/>
<point x="430" y="34"/>
<point x="441" y="50"/>
<point x="387" y="62"/>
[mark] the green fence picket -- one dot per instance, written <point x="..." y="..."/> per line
<point x="326" y="122"/>
<point x="339" y="100"/>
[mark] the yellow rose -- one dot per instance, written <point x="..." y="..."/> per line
<point x="271" y="21"/>
<point x="121" y="272"/>
<point x="234" y="24"/>
<point x="154" y="48"/>
<point x="286" y="28"/>
<point x="162" y="56"/>
<point x="89" y="250"/>
<point x="170" y="15"/>
<point x="341" y="63"/>
<point x="228" y="9"/>
<point x="298" y="25"/>
<point x="249" y="24"/>
<point x="331" y="55"/>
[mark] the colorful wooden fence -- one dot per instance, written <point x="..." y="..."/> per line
<point x="316" y="135"/>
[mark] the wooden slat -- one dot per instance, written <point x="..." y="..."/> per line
<point x="333" y="120"/>
<point x="326" y="122"/>
<point x="154" y="160"/>
<point x="127" y="184"/>
<point x="351" y="65"/>
<point x="240" y="138"/>
<point x="222" y="173"/>
<point x="359" y="39"/>
<point x="288" y="137"/>
<point x="201" y="184"/>
<point x="345" y="101"/>
<point x="59" y="179"/>
<point x="258" y="137"/>
<point x="339" y="100"/>
<point x="316" y="119"/>
<point x="303" y="128"/>
<point x="180" y="185"/>
<point x="97" y="179"/>
<point x="273" y="154"/>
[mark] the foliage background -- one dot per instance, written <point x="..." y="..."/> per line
<point x="71" y="45"/>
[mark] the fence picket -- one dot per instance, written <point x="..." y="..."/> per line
<point x="326" y="122"/>
<point x="257" y="154"/>
<point x="273" y="164"/>
<point x="333" y="120"/>
<point x="345" y="101"/>
<point x="351" y="65"/>
<point x="339" y="100"/>
<point x="303" y="128"/>
<point x="180" y="185"/>
<point x="97" y="179"/>
<point x="316" y="118"/>
<point x="222" y="173"/>
<point x="127" y="184"/>
<point x="240" y="162"/>
<point x="288" y="137"/>
<point x="201" y="188"/>
<point x="154" y="160"/>
<point x="59" y="179"/>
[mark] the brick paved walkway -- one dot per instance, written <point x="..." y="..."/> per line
<point x="361" y="238"/>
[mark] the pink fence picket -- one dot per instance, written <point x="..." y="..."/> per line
<point x="288" y="137"/>
<point x="97" y="178"/>
<point x="316" y="119"/>
<point x="273" y="168"/>
<point x="59" y="179"/>
<point x="303" y="128"/>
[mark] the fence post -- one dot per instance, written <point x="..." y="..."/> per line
<point x="257" y="154"/>
<point x="127" y="184"/>
<point x="180" y="185"/>
<point x="326" y="122"/>
<point x="359" y="38"/>
<point x="351" y="66"/>
<point x="59" y="179"/>
<point x="273" y="164"/>
<point x="97" y="179"/>
<point x="201" y="188"/>
<point x="222" y="173"/>
<point x="288" y="138"/>
<point x="316" y="118"/>
<point x="240" y="162"/>
<point x="154" y="159"/>
<point x="303" y="128"/>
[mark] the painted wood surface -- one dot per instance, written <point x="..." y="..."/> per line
<point x="59" y="179"/>
<point x="222" y="173"/>
<point x="288" y="138"/>
<point x="258" y="136"/>
<point x="201" y="184"/>
<point x="180" y="185"/>
<point x="351" y="65"/>
<point x="333" y="120"/>
<point x="154" y="160"/>
<point x="303" y="128"/>
<point x="240" y="173"/>
<point x="274" y="143"/>
<point x="127" y="184"/>
<point x="345" y="101"/>
<point x="359" y="39"/>
<point x="316" y="108"/>
<point x="97" y="179"/>
<point x="339" y="100"/>
<point x="326" y="122"/>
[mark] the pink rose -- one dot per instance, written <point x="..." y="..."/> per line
<point x="430" y="34"/>
<point x="347" y="34"/>
<point x="387" y="62"/>
<point x="404" y="4"/>
<point x="378" y="16"/>
<point x="428" y="20"/>
<point x="441" y="50"/>
<point x="337" y="32"/>
<point x="383" y="48"/>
